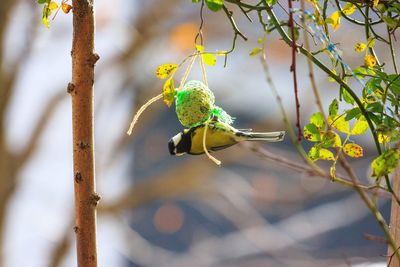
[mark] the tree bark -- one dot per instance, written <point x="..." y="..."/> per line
<point x="81" y="89"/>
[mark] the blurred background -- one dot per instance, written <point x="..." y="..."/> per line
<point x="156" y="209"/>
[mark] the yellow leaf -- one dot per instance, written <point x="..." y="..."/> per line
<point x="331" y="138"/>
<point x="66" y="8"/>
<point x="360" y="47"/>
<point x="209" y="59"/>
<point x="382" y="138"/>
<point x="376" y="2"/>
<point x="53" y="5"/>
<point x="334" y="20"/>
<point x="165" y="70"/>
<point x="339" y="123"/>
<point x="313" y="154"/>
<point x="168" y="92"/>
<point x="360" y="127"/>
<point x="369" y="61"/>
<point x="255" y="51"/>
<point x="349" y="9"/>
<point x="353" y="150"/>
<point x="200" y="48"/>
<point x="325" y="154"/>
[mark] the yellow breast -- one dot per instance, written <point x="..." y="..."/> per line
<point x="216" y="138"/>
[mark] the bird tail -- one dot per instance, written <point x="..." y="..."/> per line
<point x="267" y="137"/>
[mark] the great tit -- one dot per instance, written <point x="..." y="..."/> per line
<point x="219" y="136"/>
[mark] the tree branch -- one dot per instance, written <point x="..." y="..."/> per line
<point x="83" y="61"/>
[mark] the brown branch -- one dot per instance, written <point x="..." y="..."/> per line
<point x="310" y="66"/>
<point x="83" y="61"/>
<point x="293" y="69"/>
<point x="298" y="167"/>
<point x="371" y="206"/>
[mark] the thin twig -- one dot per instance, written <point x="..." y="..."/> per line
<point x="303" y="168"/>
<point x="392" y="52"/>
<point x="200" y="31"/>
<point x="310" y="65"/>
<point x="372" y="207"/>
<point x="236" y="30"/>
<point x="293" y="70"/>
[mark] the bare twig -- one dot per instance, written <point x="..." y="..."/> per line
<point x="372" y="207"/>
<point x="293" y="69"/>
<point x="236" y="30"/>
<point x="310" y="65"/>
<point x="304" y="168"/>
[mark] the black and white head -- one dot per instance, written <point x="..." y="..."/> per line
<point x="180" y="143"/>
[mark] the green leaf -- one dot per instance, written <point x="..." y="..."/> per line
<point x="385" y="163"/>
<point x="318" y="120"/>
<point x="331" y="79"/>
<point x="215" y="5"/>
<point x="360" y="72"/>
<point x="331" y="139"/>
<point x="42" y="1"/>
<point x="352" y="113"/>
<point x="272" y="2"/>
<point x="311" y="133"/>
<point x="394" y="80"/>
<point x="209" y="59"/>
<point x="168" y="92"/>
<point x="165" y="70"/>
<point x="381" y="7"/>
<point x="339" y="123"/>
<point x="195" y="1"/>
<point x="347" y="97"/>
<point x="333" y="108"/>
<point x="353" y="150"/>
<point x="255" y="51"/>
<point x="313" y="154"/>
<point x="392" y="23"/>
<point x="360" y="127"/>
<point x="374" y="107"/>
<point x="325" y="154"/>
<point x="371" y="42"/>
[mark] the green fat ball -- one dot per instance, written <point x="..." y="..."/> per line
<point x="194" y="104"/>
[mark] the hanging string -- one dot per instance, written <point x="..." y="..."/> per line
<point x="188" y="69"/>
<point x="158" y="97"/>
<point x="140" y="111"/>
<point x="216" y="161"/>
<point x="203" y="71"/>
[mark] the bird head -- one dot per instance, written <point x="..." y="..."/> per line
<point x="180" y="143"/>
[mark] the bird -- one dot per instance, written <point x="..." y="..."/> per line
<point x="219" y="136"/>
